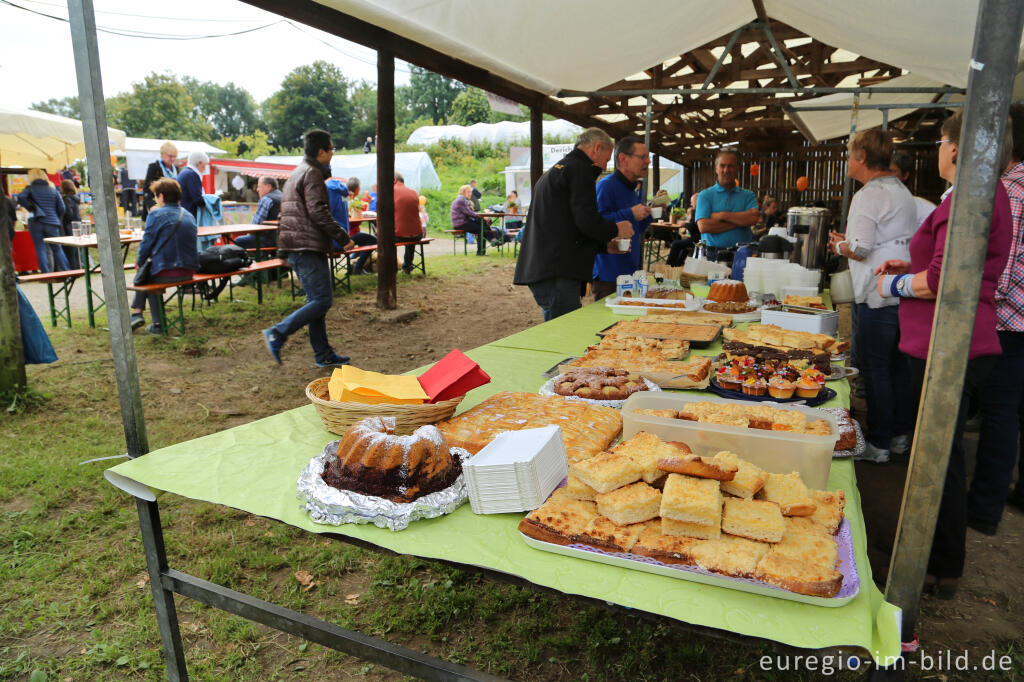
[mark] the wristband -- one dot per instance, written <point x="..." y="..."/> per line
<point x="838" y="244"/>
<point x="889" y="284"/>
<point x="905" y="286"/>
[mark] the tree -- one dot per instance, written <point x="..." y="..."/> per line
<point x="246" y="146"/>
<point x="64" y="106"/>
<point x="470" y="107"/>
<point x="364" y="114"/>
<point x="161" y="107"/>
<point x="311" y="96"/>
<point x="432" y="94"/>
<point x="229" y="109"/>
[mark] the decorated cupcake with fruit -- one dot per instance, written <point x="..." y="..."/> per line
<point x="814" y="375"/>
<point x="780" y="387"/>
<point x="729" y="378"/>
<point x="808" y="388"/>
<point x="755" y="386"/>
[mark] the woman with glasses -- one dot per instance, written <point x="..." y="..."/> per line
<point x="915" y="284"/>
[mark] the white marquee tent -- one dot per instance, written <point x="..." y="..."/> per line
<point x="415" y="167"/>
<point x="33" y="139"/>
<point x="505" y="131"/>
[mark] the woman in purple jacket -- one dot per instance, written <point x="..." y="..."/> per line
<point x="917" y="282"/>
<point x="466" y="219"/>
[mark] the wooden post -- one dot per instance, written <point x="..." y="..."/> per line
<point x="536" y="145"/>
<point x="12" y="358"/>
<point x="387" y="256"/>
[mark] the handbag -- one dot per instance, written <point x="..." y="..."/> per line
<point x="142" y="274"/>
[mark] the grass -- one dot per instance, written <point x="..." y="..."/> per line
<point x="75" y="603"/>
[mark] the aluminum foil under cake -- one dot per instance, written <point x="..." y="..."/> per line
<point x="331" y="506"/>
<point x="858" y="449"/>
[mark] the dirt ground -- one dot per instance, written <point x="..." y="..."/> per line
<point x="438" y="314"/>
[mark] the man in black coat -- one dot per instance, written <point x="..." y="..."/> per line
<point x="564" y="231"/>
<point x="161" y="168"/>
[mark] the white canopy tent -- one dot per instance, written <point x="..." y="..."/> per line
<point x="139" y="152"/>
<point x="505" y="131"/>
<point x="33" y="139"/>
<point x="930" y="39"/>
<point x="415" y="167"/>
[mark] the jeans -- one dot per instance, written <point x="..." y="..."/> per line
<point x="854" y="351"/>
<point x="139" y="300"/>
<point x="363" y="239"/>
<point x="315" y="276"/>
<point x="39" y="231"/>
<point x="886" y="375"/>
<point x="949" y="548"/>
<point x="1000" y="397"/>
<point x="556" y="296"/>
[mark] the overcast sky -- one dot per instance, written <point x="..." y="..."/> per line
<point x="36" y="61"/>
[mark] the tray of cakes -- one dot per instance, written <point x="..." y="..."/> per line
<point x="598" y="385"/>
<point x="374" y="475"/>
<point x="745" y="378"/>
<point x="626" y="305"/>
<point x="695" y="335"/>
<point x="693" y="373"/>
<point x="652" y="505"/>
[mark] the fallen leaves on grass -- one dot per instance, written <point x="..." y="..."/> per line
<point x="305" y="579"/>
<point x="352" y="599"/>
<point x="142" y="582"/>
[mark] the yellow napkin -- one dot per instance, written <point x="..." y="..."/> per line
<point x="350" y="384"/>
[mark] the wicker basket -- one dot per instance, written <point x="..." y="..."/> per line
<point x="337" y="417"/>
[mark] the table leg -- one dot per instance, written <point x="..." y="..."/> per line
<point x="88" y="286"/>
<point x="163" y="599"/>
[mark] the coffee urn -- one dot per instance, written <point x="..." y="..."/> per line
<point x="810" y="227"/>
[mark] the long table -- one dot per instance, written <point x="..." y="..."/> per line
<point x="246" y="468"/>
<point x="93" y="301"/>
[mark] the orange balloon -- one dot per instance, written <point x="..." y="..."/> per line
<point x="423" y="200"/>
<point x="801" y="183"/>
<point x="755" y="170"/>
<point x="113" y="160"/>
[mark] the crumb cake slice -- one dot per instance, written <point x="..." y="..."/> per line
<point x="577" y="489"/>
<point x="668" y="549"/>
<point x="693" y="500"/>
<point x="607" y="471"/>
<point x="605" y="534"/>
<point x="829" y="512"/>
<point x="747" y="481"/>
<point x="730" y="555"/>
<point x="633" y="503"/>
<point x="646" y="449"/>
<point x="699" y="467"/>
<point x="690" y="530"/>
<point x="789" y="492"/>
<point x="798" y="576"/>
<point x="753" y="519"/>
<point x="559" y="520"/>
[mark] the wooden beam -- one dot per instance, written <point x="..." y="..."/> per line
<point x="387" y="254"/>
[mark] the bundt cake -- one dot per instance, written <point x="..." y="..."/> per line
<point x="373" y="460"/>
<point x="728" y="290"/>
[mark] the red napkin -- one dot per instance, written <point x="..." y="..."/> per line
<point x="454" y="375"/>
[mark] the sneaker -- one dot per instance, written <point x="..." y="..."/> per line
<point x="873" y="455"/>
<point x="154" y="329"/>
<point x="335" y="359"/>
<point x="900" y="445"/>
<point x="137" y="320"/>
<point x="274" y="344"/>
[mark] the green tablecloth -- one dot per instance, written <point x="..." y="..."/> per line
<point x="254" y="468"/>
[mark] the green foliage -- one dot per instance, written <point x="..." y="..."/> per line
<point x="230" y="109"/>
<point x="432" y="94"/>
<point x="160" y="106"/>
<point x="311" y="96"/>
<point x="247" y="146"/>
<point x="469" y="107"/>
<point x="363" y="97"/>
<point x="62" y="106"/>
<point x="19" y="398"/>
<point x="402" y="132"/>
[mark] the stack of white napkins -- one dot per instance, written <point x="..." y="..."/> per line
<point x="516" y="471"/>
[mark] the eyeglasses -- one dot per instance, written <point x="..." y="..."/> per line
<point x="645" y="157"/>
<point x="938" y="143"/>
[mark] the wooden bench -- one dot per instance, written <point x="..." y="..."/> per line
<point x="196" y="280"/>
<point x="456" y="235"/>
<point x="65" y="280"/>
<point x="345" y="278"/>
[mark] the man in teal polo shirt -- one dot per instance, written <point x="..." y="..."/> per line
<point x="726" y="212"/>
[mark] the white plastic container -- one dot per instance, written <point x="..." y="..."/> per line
<point x="777" y="452"/>
<point x="801" y="319"/>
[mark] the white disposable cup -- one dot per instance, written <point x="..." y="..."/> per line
<point x="622" y="244"/>
<point x="656" y="212"/>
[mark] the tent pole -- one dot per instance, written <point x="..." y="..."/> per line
<point x="997" y="35"/>
<point x="536" y="145"/>
<point x="847" y="180"/>
<point x="97" y="150"/>
<point x="387" y="256"/>
<point x="647" y="143"/>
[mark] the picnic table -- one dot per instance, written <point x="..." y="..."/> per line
<point x="254" y="468"/>
<point x="93" y="301"/>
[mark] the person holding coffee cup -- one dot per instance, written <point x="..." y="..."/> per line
<point x="619" y="198"/>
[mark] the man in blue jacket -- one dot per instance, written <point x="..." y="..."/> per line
<point x="191" y="181"/>
<point x="618" y="198"/>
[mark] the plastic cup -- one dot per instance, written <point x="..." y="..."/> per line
<point x="76" y="228"/>
<point x="622" y="244"/>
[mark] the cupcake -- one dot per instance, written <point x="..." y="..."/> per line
<point x="780" y="387"/>
<point x="814" y="375"/>
<point x="754" y="386"/>
<point x="729" y="381"/>
<point x="807" y="388"/>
